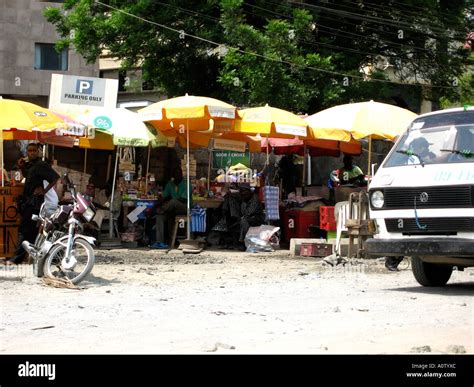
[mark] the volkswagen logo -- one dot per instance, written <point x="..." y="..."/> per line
<point x="424" y="197"/>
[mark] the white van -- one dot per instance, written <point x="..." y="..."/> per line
<point x="422" y="196"/>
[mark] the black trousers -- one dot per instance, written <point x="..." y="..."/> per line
<point x="27" y="231"/>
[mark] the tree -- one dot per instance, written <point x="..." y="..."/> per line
<point x="173" y="61"/>
<point x="302" y="56"/>
<point x="420" y="41"/>
<point x="270" y="65"/>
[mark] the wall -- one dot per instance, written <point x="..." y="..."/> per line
<point x="21" y="26"/>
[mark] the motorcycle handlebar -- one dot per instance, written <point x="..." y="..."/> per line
<point x="70" y="185"/>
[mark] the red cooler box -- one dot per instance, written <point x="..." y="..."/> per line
<point x="296" y="224"/>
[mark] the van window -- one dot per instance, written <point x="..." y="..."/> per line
<point x="438" y="139"/>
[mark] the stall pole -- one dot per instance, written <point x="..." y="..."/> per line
<point x="267" y="161"/>
<point x="304" y="171"/>
<point x="369" y="156"/>
<point x="109" y="162"/>
<point x="309" y="169"/>
<point x="85" y="160"/>
<point x="147" y="168"/>
<point x="111" y="220"/>
<point x="188" y="182"/>
<point x="209" y="169"/>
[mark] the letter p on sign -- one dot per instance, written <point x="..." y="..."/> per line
<point x="83" y="86"/>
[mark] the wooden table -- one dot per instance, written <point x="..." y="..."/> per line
<point x="208" y="203"/>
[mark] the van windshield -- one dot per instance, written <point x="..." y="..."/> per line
<point x="438" y="139"/>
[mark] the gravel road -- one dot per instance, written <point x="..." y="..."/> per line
<point x="139" y="301"/>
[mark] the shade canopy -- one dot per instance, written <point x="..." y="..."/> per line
<point x="190" y="112"/>
<point x="364" y="119"/>
<point x="24" y="120"/>
<point x="268" y="121"/>
<point x="125" y="126"/>
<point x="315" y="148"/>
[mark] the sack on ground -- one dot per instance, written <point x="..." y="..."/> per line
<point x="262" y="238"/>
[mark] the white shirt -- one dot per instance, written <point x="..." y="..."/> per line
<point x="51" y="197"/>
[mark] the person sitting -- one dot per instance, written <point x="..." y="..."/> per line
<point x="252" y="214"/>
<point x="288" y="174"/>
<point x="228" y="214"/>
<point x="421" y="151"/>
<point x="174" y="202"/>
<point x="350" y="173"/>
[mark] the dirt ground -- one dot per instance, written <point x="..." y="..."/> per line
<point x="140" y="301"/>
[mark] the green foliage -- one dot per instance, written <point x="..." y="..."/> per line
<point x="465" y="93"/>
<point x="300" y="56"/>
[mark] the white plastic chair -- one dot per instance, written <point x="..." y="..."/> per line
<point x="342" y="213"/>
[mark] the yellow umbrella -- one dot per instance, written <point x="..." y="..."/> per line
<point x="26" y="117"/>
<point x="254" y="144"/>
<point x="20" y="120"/>
<point x="371" y="119"/>
<point x="363" y="119"/>
<point x="271" y="122"/>
<point x="204" y="138"/>
<point x="330" y="134"/>
<point x="101" y="140"/>
<point x="187" y="113"/>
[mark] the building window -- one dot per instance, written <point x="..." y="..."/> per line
<point x="47" y="58"/>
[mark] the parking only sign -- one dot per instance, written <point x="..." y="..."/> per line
<point x="77" y="94"/>
<point x="84" y="86"/>
<point x="83" y="91"/>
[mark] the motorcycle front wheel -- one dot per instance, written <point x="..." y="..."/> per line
<point x="84" y="254"/>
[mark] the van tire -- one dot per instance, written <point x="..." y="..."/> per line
<point x="430" y="274"/>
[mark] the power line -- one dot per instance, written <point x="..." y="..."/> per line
<point x="372" y="19"/>
<point x="319" y="44"/>
<point x="305" y="41"/>
<point x="384" y="11"/>
<point x="183" y="34"/>
<point x="340" y="32"/>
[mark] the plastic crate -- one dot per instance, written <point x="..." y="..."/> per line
<point x="326" y="214"/>
<point x="296" y="224"/>
<point x="328" y="226"/>
<point x="315" y="249"/>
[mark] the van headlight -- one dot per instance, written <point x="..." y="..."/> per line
<point x="376" y="199"/>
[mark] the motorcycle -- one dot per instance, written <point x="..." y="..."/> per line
<point x="60" y="249"/>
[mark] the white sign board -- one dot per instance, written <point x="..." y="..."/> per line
<point x="75" y="95"/>
<point x="133" y="216"/>
<point x="232" y="145"/>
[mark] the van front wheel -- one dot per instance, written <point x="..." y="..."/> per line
<point x="430" y="274"/>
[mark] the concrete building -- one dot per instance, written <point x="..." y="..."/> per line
<point x="27" y="53"/>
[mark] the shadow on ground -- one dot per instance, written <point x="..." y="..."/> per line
<point x="457" y="289"/>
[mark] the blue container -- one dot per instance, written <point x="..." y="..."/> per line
<point x="150" y="208"/>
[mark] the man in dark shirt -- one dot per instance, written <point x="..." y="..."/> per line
<point x="36" y="171"/>
<point x="251" y="212"/>
<point x="288" y="173"/>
